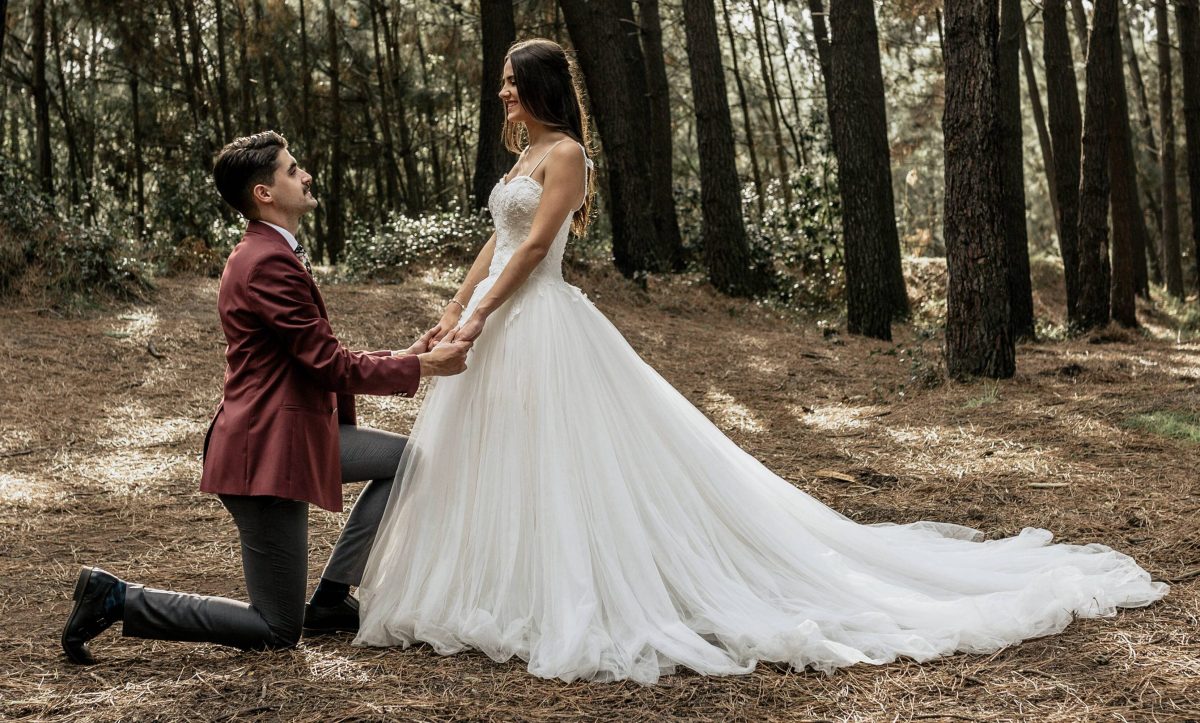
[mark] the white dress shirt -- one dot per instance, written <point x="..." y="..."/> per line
<point x="286" y="234"/>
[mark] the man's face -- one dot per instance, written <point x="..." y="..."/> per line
<point x="291" y="189"/>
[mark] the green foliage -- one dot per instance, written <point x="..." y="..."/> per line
<point x="53" y="256"/>
<point x="403" y="244"/>
<point x="990" y="395"/>
<point x="1168" y="423"/>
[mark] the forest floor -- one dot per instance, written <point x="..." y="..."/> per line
<point x="104" y="414"/>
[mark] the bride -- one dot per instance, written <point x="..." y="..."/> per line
<point x="562" y="503"/>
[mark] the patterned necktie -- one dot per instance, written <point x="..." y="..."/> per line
<point x="304" y="258"/>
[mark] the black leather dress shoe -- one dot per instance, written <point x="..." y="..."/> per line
<point x="88" y="618"/>
<point x="327" y="619"/>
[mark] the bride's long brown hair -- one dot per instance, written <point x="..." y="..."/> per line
<point x="548" y="84"/>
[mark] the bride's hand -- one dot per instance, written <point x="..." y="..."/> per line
<point x="447" y="323"/>
<point x="471" y="329"/>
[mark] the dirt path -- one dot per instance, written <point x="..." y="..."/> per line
<point x="99" y="443"/>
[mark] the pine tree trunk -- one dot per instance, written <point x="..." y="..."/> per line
<point x="1187" y="17"/>
<point x="797" y="140"/>
<point x="662" y="158"/>
<point x="1066" y="128"/>
<point x="1095" y="273"/>
<point x="1144" y="247"/>
<point x="745" y="108"/>
<point x="768" y="76"/>
<point x="1039" y="120"/>
<point x="610" y="56"/>
<point x="226" y="129"/>
<point x="1012" y="166"/>
<point x="41" y="100"/>
<point x="249" y="117"/>
<point x="391" y="171"/>
<point x="431" y="140"/>
<point x="821" y="36"/>
<point x="498" y="30"/>
<point x="875" y="290"/>
<point x="335" y="237"/>
<point x="305" y="82"/>
<point x="139" y="170"/>
<point x="198" y="75"/>
<point x="1081" y="26"/>
<point x="1126" y="211"/>
<point x="979" y="337"/>
<point x="65" y="114"/>
<point x="1171" y="259"/>
<point x="723" y="237"/>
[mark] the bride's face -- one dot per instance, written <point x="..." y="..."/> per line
<point x="514" y="112"/>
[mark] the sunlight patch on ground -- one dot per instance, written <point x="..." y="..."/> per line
<point x="21" y="490"/>
<point x="834" y="418"/>
<point x="962" y="451"/>
<point x="131" y="472"/>
<point x="729" y="413"/>
<point x="133" y="425"/>
<point x="1188" y="364"/>
<point x="136" y="325"/>
<point x="327" y="664"/>
<point x="765" y="365"/>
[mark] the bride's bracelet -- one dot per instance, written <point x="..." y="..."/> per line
<point x="456" y="301"/>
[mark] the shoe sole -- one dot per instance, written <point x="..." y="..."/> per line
<point x="81" y="582"/>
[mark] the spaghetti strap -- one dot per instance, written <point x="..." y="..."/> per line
<point x="544" y="155"/>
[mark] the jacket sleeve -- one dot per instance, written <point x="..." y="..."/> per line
<point x="280" y="295"/>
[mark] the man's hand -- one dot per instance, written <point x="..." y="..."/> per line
<point x="447" y="359"/>
<point x="420" y="346"/>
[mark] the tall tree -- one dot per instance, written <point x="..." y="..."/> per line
<point x="1039" y="118"/>
<point x="610" y="56"/>
<point x="768" y="77"/>
<point x="1129" y="235"/>
<point x="1066" y="127"/>
<point x="821" y="36"/>
<point x="875" y="292"/>
<point x="756" y="174"/>
<point x="1187" y="19"/>
<point x="498" y="30"/>
<point x="1012" y="165"/>
<point x="662" y="158"/>
<point x="391" y="170"/>
<point x="1093" y="308"/>
<point x="979" y="338"/>
<point x="335" y="235"/>
<point x="226" y="130"/>
<point x="1143" y="247"/>
<point x="723" y="237"/>
<point x="41" y="100"/>
<point x="1172" y="262"/>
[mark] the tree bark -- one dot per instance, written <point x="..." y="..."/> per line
<point x="979" y="338"/>
<point x="1187" y="19"/>
<point x="1144" y="247"/>
<point x="223" y="74"/>
<point x="198" y="75"/>
<point x="185" y="70"/>
<point x="139" y="170"/>
<point x="1171" y="258"/>
<point x="41" y="101"/>
<point x="1095" y="273"/>
<point x="768" y="76"/>
<point x="745" y="109"/>
<point x="662" y="158"/>
<point x="498" y="30"/>
<point x="875" y="290"/>
<point x="821" y="36"/>
<point x="1039" y="120"/>
<point x="610" y="57"/>
<point x="391" y="171"/>
<point x="1012" y="168"/>
<point x="1126" y="211"/>
<point x="1066" y="127"/>
<point x="723" y="236"/>
<point x="1081" y="25"/>
<point x="249" y="109"/>
<point x="66" y="115"/>
<point x="335" y="237"/>
<point x="435" y="154"/>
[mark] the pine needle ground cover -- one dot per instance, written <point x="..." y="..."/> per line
<point x="104" y="416"/>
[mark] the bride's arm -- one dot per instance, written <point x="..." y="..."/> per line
<point x="560" y="198"/>
<point x="455" y="307"/>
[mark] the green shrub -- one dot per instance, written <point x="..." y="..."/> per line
<point x="403" y="245"/>
<point x="53" y="257"/>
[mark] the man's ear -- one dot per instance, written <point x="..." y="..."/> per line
<point x="261" y="193"/>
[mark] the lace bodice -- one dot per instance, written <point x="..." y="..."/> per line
<point x="513" y="205"/>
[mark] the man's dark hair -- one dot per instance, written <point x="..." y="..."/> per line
<point x="243" y="164"/>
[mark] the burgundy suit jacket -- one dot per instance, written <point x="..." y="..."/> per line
<point x="288" y="381"/>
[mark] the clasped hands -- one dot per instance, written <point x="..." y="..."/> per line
<point x="443" y="349"/>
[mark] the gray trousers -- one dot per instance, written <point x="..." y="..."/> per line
<point x="274" y="538"/>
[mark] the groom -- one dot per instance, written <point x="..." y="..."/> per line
<point x="283" y="437"/>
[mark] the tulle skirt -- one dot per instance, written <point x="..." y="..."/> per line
<point x="560" y="502"/>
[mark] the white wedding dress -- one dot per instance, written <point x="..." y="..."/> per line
<point x="562" y="503"/>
